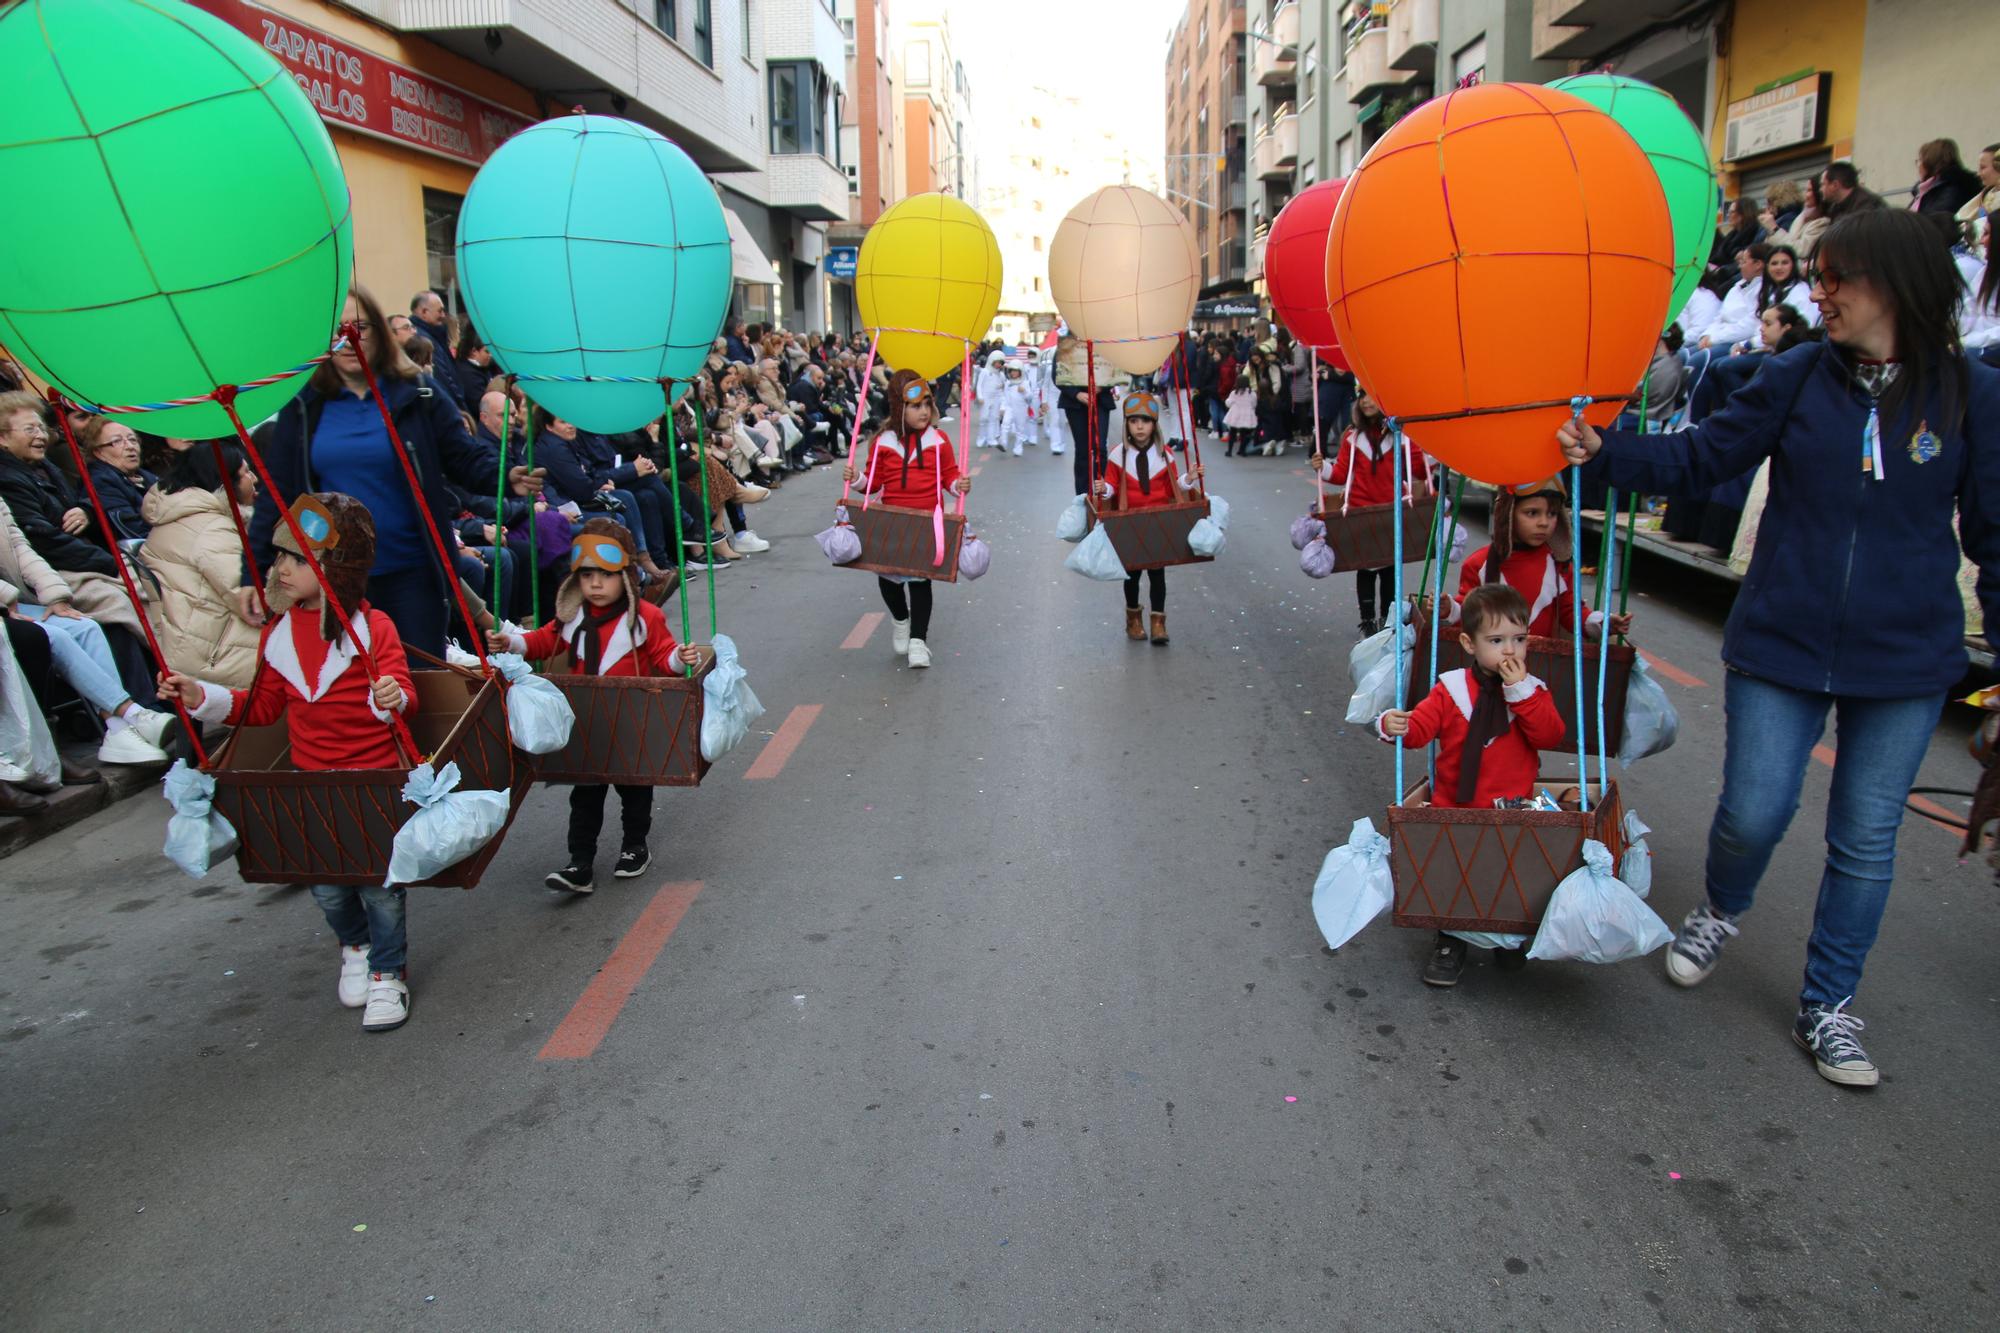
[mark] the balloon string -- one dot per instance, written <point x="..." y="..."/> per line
<point x="680" y="535"/>
<point x="124" y="572"/>
<point x="1181" y="405"/>
<point x="964" y="411"/>
<point x="1319" y="481"/>
<point x="707" y="510"/>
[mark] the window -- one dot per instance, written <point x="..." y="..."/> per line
<point x="1311" y="79"/>
<point x="801" y="105"/>
<point x="1343" y="155"/>
<point x="441" y="237"/>
<point x="853" y="180"/>
<point x="917" y="65"/>
<point x="704" y="32"/>
<point x="1038" y="245"/>
<point x="1468" y="63"/>
<point x="1309" y="173"/>
<point x="664" y="17"/>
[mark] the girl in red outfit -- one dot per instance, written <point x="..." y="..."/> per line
<point x="911" y="467"/>
<point x="1491" y="721"/>
<point x="1365" y="472"/>
<point x="1139" y="473"/>
<point x="609" y="630"/>
<point x="337" y="718"/>
<point x="1530" y="553"/>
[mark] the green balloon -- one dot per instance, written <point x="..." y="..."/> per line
<point x="181" y="219"/>
<point x="1674" y="146"/>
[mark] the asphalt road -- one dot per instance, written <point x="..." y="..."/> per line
<point x="988" y="1009"/>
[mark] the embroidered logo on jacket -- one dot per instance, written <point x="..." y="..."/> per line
<point x="1925" y="445"/>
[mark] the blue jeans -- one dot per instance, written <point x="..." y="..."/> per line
<point x="415" y="602"/>
<point x="1770" y="739"/>
<point x="373" y="916"/>
<point x="82" y="656"/>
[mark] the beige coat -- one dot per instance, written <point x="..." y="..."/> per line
<point x="197" y="556"/>
<point x="26" y="576"/>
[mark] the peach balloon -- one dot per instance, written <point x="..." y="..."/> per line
<point x="1123" y="271"/>
<point x="1500" y="250"/>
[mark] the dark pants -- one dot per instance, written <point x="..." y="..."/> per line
<point x="915" y="608"/>
<point x="415" y="603"/>
<point x="1078" y="415"/>
<point x="1157" y="590"/>
<point x="586" y="818"/>
<point x="31" y="649"/>
<point x="1375" y="587"/>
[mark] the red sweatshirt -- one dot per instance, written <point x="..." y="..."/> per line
<point x="1121" y="473"/>
<point x="1511" y="765"/>
<point x="1544" y="582"/>
<point x="932" y="467"/>
<point x="1363" y="467"/>
<point x="656" y="646"/>
<point x="322" y="691"/>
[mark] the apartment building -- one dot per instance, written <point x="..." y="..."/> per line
<point x="1207" y="149"/>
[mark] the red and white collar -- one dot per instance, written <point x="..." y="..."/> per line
<point x="283" y="653"/>
<point x="1129" y="460"/>
<point x="616" y="648"/>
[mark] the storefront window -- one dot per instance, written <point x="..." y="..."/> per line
<point x="441" y="238"/>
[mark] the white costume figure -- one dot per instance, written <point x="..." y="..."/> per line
<point x="1017" y="411"/>
<point x="1055" y="426"/>
<point x="987" y="387"/>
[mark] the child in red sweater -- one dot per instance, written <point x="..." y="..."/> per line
<point x="336" y="716"/>
<point x="911" y="466"/>
<point x="1139" y="473"/>
<point x="1491" y="722"/>
<point x="609" y="630"/>
<point x="1364" y="469"/>
<point x="1530" y="553"/>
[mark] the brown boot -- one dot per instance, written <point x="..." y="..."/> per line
<point x="1134" y="629"/>
<point x="1159" y="627"/>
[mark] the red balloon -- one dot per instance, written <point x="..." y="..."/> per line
<point x="1295" y="269"/>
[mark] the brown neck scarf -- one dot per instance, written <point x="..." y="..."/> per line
<point x="1490" y="719"/>
<point x="587" y="648"/>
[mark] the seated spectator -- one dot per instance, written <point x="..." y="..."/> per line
<point x="1943" y="184"/>
<point x="473" y="365"/>
<point x="736" y="344"/>
<point x="1803" y="232"/>
<point x="1973" y="214"/>
<point x="1742" y="233"/>
<point x="195" y="551"/>
<point x="1840" y="186"/>
<point x="1783" y="203"/>
<point x="1780" y="328"/>
<point x="78" y="650"/>
<point x="45" y="502"/>
<point x="428" y="316"/>
<point x="1736" y="321"/>
<point x="113" y="450"/>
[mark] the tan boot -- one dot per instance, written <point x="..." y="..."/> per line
<point x="1159" y="627"/>
<point x="1134" y="629"/>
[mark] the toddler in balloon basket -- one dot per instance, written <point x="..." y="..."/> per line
<point x="1530" y="553"/>
<point x="607" y="629"/>
<point x="310" y="673"/>
<point x="1490" y="721"/>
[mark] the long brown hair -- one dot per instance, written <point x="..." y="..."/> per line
<point x="1899" y="254"/>
<point x="390" y="361"/>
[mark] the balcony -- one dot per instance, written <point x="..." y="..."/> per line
<point x="1274" y="52"/>
<point x="1234" y="199"/>
<point x="1413" y="35"/>
<point x="1254" y="270"/>
<point x="1368" y="70"/>
<point x="808" y="186"/>
<point x="1587" y="29"/>
<point x="1277" y="149"/>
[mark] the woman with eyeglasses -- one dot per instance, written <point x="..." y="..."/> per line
<point x="332" y="438"/>
<point x="1877" y="439"/>
<point x="122" y="481"/>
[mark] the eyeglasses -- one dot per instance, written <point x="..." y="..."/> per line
<point x="1829" y="278"/>
<point x="32" y="430"/>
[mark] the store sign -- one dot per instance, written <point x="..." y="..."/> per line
<point x="360" y="91"/>
<point x="1791" y="114"/>
<point x="842" y="261"/>
<point x="1225" y="309"/>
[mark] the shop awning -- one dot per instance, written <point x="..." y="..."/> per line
<point x="747" y="263"/>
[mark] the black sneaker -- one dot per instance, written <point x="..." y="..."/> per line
<point x="1511" y="960"/>
<point x="1446" y="962"/>
<point x="1827" y="1030"/>
<point x="1369" y="628"/>
<point x="570" y="879"/>
<point x="632" y="863"/>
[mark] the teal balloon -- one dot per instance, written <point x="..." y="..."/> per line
<point x="1674" y="146"/>
<point x="591" y="246"/>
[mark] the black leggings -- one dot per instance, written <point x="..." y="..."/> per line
<point x="1367" y="582"/>
<point x="916" y="608"/>
<point x="1158" y="590"/>
<point x="586" y="818"/>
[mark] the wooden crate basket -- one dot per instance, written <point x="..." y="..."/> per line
<point x="1491" y="870"/>
<point x="642" y="731"/>
<point x="337" y="826"/>
<point x="1552" y="659"/>
<point x="1155" y="538"/>
<point x="898" y="541"/>
<point x="1365" y="536"/>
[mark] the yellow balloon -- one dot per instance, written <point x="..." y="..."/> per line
<point x="929" y="264"/>
<point x="1123" y="271"/>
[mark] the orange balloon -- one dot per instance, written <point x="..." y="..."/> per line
<point x="1502" y="246"/>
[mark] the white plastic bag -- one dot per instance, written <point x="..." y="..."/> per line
<point x="197" y="836"/>
<point x="1096" y="558"/>
<point x="449" y="825"/>
<point x="1594" y="918"/>
<point x="1206" y="537"/>
<point x="1636" y="866"/>
<point x="1316" y="558"/>
<point x="975" y="557"/>
<point x="729" y="704"/>
<point x="1651" y="724"/>
<point x="539" y="718"/>
<point x="841" y="542"/>
<point x="1354" y="885"/>
<point x="1075" y="520"/>
<point x="1372" y="666"/>
<point x="1489" y="939"/>
<point x="1307" y="529"/>
<point x="1218" y="512"/>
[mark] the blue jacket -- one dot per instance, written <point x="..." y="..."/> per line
<point x="432" y="430"/>
<point x="1853" y="585"/>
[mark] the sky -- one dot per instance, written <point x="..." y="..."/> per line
<point x="1109" y="52"/>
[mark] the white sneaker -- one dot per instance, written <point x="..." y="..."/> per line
<point x="920" y="654"/>
<point x="354" y="976"/>
<point x="1017" y="448"/>
<point x="749" y="542"/>
<point x="153" y="725"/>
<point x="127" y="746"/>
<point x="749" y="492"/>
<point x="388" y="1003"/>
<point x="899" y="636"/>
